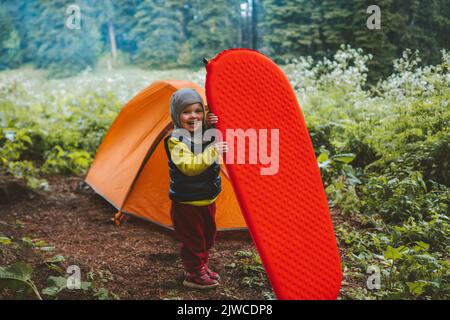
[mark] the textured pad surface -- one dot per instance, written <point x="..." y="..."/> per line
<point x="287" y="213"/>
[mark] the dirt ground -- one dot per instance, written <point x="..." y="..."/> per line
<point x="136" y="260"/>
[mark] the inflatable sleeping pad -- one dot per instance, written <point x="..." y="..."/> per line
<point x="274" y="173"/>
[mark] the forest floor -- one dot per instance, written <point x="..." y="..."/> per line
<point x="136" y="260"/>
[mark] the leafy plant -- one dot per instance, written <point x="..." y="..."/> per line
<point x="17" y="277"/>
<point x="250" y="267"/>
<point x="5" y="240"/>
<point x="56" y="284"/>
<point x="397" y="199"/>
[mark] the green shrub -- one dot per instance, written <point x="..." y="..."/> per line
<point x="396" y="198"/>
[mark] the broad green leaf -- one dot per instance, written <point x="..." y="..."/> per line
<point x="18" y="278"/>
<point x="322" y="157"/>
<point x="60" y="151"/>
<point x="102" y="294"/>
<point x="26" y="139"/>
<point x="421" y="246"/>
<point x="243" y="253"/>
<point x="19" y="224"/>
<point x="324" y="165"/>
<point x="82" y="162"/>
<point x="28" y="241"/>
<point x="56" y="268"/>
<point x="48" y="248"/>
<point x="344" y="157"/>
<point x="417" y="287"/>
<point x="18" y="271"/>
<point x="330" y="189"/>
<point x="40" y="243"/>
<point x="55" y="259"/>
<point x="5" y="240"/>
<point x="55" y="285"/>
<point x="85" y="285"/>
<point x="393" y="253"/>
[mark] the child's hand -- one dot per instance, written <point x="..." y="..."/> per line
<point x="221" y="147"/>
<point x="211" y="119"/>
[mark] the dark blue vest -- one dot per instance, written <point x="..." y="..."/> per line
<point x="206" y="185"/>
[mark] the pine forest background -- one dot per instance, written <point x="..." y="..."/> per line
<point x="174" y="34"/>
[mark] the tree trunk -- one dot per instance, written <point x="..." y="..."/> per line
<point x="112" y="40"/>
<point x="239" y="24"/>
<point x="255" y="24"/>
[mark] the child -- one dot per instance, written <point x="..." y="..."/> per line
<point x="194" y="185"/>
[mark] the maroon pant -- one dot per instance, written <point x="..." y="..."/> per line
<point x="195" y="227"/>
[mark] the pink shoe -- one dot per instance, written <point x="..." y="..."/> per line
<point x="213" y="275"/>
<point x="199" y="281"/>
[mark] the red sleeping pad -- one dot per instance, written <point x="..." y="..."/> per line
<point x="281" y="192"/>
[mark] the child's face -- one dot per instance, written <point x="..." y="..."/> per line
<point x="191" y="118"/>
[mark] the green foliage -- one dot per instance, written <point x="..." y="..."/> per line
<point x="167" y="34"/>
<point x="61" y="50"/>
<point x="171" y="34"/>
<point x="410" y="269"/>
<point x="285" y="23"/>
<point x="249" y="267"/>
<point x="17" y="277"/>
<point x="320" y="27"/>
<point x="434" y="232"/>
<point x="418" y="138"/>
<point x="416" y="273"/>
<point x="5" y="240"/>
<point x="395" y="198"/>
<point x="55" y="285"/>
<point x="341" y="179"/>
<point x="62" y="162"/>
<point x="62" y="139"/>
<point x="97" y="280"/>
<point x="10" y="53"/>
<point x="160" y="31"/>
<point x="211" y="29"/>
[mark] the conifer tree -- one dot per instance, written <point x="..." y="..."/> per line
<point x="213" y="28"/>
<point x="293" y="28"/>
<point x="9" y="41"/>
<point x="377" y="42"/>
<point x="62" y="49"/>
<point x="158" y="33"/>
<point x="125" y="22"/>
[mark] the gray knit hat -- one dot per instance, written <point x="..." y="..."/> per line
<point x="181" y="99"/>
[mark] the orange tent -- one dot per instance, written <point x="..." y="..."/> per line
<point x="130" y="169"/>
